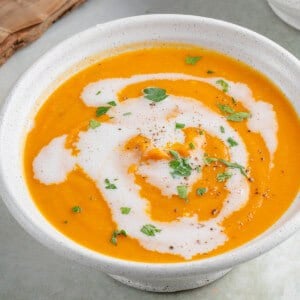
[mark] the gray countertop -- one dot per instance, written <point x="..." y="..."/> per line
<point x="30" y="271"/>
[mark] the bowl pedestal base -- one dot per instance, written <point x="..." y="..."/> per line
<point x="165" y="285"/>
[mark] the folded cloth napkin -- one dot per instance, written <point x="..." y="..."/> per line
<point x="23" y="21"/>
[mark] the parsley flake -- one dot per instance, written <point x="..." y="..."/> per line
<point x="201" y="191"/>
<point x="155" y="94"/>
<point x="223" y="84"/>
<point x="232" y="142"/>
<point x="179" y="165"/>
<point x="191" y="145"/>
<point x="221" y="177"/>
<point x="115" y="234"/>
<point x="94" y="124"/>
<point x="109" y="185"/>
<point x="76" y="209"/>
<point x="125" y="210"/>
<point x="225" y="108"/>
<point x="179" y="125"/>
<point x="150" y="230"/>
<point x="210" y="72"/>
<point x="102" y="110"/>
<point x="192" y="60"/>
<point x="208" y="160"/>
<point x="99" y="92"/>
<point x="238" y="116"/>
<point x="182" y="191"/>
<point x="112" y="103"/>
<point x="222" y="129"/>
<point x="234" y="165"/>
<point x="127" y="114"/>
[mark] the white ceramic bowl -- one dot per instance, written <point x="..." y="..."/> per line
<point x="27" y="96"/>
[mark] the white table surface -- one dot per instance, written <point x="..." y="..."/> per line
<point x="30" y="271"/>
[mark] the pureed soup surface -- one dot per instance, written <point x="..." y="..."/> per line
<point x="164" y="154"/>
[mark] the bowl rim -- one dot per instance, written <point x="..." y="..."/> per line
<point x="114" y="265"/>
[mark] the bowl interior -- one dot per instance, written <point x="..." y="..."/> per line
<point x="82" y="49"/>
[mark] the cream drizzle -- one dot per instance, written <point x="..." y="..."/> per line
<point x="101" y="155"/>
<point x="263" y="118"/>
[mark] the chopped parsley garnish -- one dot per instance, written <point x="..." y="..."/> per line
<point x="191" y="145"/>
<point x="109" y="185"/>
<point x="233" y="116"/>
<point x="180" y="166"/>
<point x="150" y="230"/>
<point x="175" y="154"/>
<point x="112" y="103"/>
<point x="125" y="210"/>
<point x="76" y="209"/>
<point x="182" y="191"/>
<point x="201" y="191"/>
<point x="233" y="100"/>
<point x="155" y="94"/>
<point x="210" y="72"/>
<point x="94" y="124"/>
<point x="127" y="114"/>
<point x="222" y="129"/>
<point x="192" y="60"/>
<point x="232" y="142"/>
<point x="225" y="108"/>
<point x="223" y="84"/>
<point x="208" y="160"/>
<point x="234" y="165"/>
<point x="238" y="116"/>
<point x="179" y="125"/>
<point x="102" y="110"/>
<point x="221" y="177"/>
<point x="99" y="92"/>
<point x="115" y="234"/>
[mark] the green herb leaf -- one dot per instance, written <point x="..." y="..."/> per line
<point x="127" y="114"/>
<point x="150" y="230"/>
<point x="208" y="160"/>
<point x="175" y="154"/>
<point x="94" y="124"/>
<point x="210" y="72"/>
<point x="179" y="125"/>
<point x="99" y="92"/>
<point x="232" y="142"/>
<point x="192" y="60"/>
<point x="191" y="145"/>
<point x="180" y="166"/>
<point x="201" y="191"/>
<point x="238" y="116"/>
<point x="223" y="84"/>
<point x="76" y="209"/>
<point x="125" y="210"/>
<point x="222" y="129"/>
<point x="109" y="185"/>
<point x="182" y="191"/>
<point x="112" y="103"/>
<point x="155" y="94"/>
<point x="221" y="177"/>
<point x="102" y="110"/>
<point x="115" y="234"/>
<point x="234" y="165"/>
<point x="225" y="108"/>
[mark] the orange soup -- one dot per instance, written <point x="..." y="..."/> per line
<point x="164" y="154"/>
